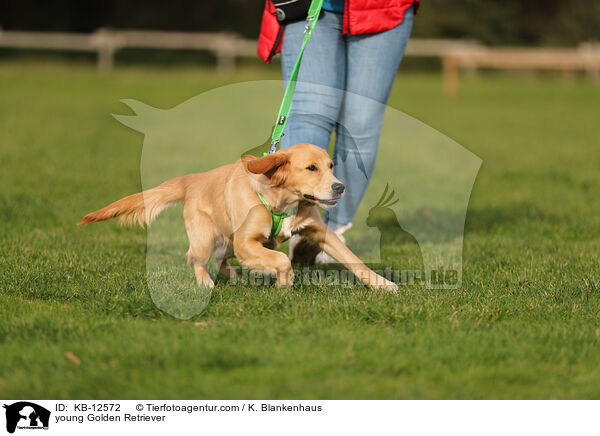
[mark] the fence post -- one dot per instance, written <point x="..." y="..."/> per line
<point x="105" y="43"/>
<point x="450" y="73"/>
<point x="592" y="53"/>
<point x="225" y="61"/>
<point x="225" y="47"/>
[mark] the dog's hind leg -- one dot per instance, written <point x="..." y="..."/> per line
<point x="201" y="232"/>
<point x="223" y="252"/>
<point x="227" y="270"/>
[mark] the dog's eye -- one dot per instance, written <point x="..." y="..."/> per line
<point x="331" y="165"/>
<point x="312" y="168"/>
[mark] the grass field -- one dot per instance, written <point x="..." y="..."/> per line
<point x="525" y="324"/>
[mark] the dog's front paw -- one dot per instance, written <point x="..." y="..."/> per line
<point x="385" y="285"/>
<point x="206" y="284"/>
<point x="391" y="286"/>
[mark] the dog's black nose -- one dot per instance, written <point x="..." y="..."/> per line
<point x="338" y="188"/>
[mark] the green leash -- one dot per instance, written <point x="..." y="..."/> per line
<point x="284" y="110"/>
<point x="276" y="217"/>
<point x="288" y="96"/>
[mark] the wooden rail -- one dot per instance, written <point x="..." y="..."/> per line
<point x="456" y="55"/>
<point x="105" y="43"/>
<point x="585" y="58"/>
<point x="225" y="46"/>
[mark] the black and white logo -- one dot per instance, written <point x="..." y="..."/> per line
<point x="26" y="415"/>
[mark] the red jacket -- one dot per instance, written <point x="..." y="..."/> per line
<point x="360" y="16"/>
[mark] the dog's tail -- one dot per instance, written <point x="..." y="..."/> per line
<point x="143" y="207"/>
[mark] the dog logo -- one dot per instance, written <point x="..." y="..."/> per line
<point x="430" y="174"/>
<point x="26" y="415"/>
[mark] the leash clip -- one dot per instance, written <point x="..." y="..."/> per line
<point x="274" y="145"/>
<point x="309" y="20"/>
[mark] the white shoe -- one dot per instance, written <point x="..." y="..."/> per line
<point x="323" y="257"/>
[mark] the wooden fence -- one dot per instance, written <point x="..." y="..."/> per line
<point x="225" y="46"/>
<point x="584" y="58"/>
<point x="456" y="55"/>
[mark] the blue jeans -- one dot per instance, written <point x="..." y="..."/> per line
<point x="344" y="80"/>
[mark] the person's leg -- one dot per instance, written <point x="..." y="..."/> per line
<point x="372" y="62"/>
<point x="318" y="95"/>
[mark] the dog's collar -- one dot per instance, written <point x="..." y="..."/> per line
<point x="277" y="218"/>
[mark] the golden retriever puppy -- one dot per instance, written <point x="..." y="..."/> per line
<point x="247" y="209"/>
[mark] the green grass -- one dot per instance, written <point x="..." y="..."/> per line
<point x="525" y="324"/>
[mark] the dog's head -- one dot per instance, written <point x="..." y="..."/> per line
<point x="305" y="170"/>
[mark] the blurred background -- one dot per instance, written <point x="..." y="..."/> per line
<point x="223" y="33"/>
<point x="494" y="22"/>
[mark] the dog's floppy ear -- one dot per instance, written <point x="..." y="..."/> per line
<point x="268" y="164"/>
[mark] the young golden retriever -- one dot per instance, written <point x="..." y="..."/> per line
<point x="223" y="212"/>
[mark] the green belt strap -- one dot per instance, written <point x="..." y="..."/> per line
<point x="276" y="217"/>
<point x="288" y="96"/>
